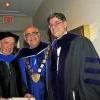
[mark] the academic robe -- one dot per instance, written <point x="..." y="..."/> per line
<point x="38" y="89"/>
<point x="78" y="75"/>
<point x="10" y="82"/>
<point x="23" y="52"/>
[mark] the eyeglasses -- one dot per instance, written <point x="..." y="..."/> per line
<point x="31" y="34"/>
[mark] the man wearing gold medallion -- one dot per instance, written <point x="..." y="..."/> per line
<point x="32" y="63"/>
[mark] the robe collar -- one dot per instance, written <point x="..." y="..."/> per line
<point x="6" y="58"/>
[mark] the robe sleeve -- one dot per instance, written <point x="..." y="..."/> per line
<point x="90" y="76"/>
<point x="85" y="69"/>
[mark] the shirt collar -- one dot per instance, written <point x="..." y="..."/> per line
<point x="62" y="35"/>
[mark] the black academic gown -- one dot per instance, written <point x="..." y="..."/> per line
<point x="78" y="71"/>
<point x="27" y="51"/>
<point x="10" y="79"/>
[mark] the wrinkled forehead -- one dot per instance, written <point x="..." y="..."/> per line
<point x="54" y="19"/>
<point x="8" y="39"/>
<point x="30" y="30"/>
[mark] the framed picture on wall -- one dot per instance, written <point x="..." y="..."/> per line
<point x="83" y="30"/>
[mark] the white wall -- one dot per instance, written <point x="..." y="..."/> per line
<point x="47" y="7"/>
<point x="78" y="12"/>
<point x="82" y="12"/>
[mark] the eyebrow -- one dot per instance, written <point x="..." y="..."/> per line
<point x="30" y="33"/>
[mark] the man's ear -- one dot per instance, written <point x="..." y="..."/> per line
<point x="24" y="38"/>
<point x="0" y="44"/>
<point x="65" y="24"/>
<point x="39" y="36"/>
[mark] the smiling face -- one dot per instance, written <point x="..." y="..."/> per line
<point x="32" y="36"/>
<point x="7" y="45"/>
<point x="57" y="27"/>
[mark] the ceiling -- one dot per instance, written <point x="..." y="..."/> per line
<point x="20" y="7"/>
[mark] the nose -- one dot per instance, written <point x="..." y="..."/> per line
<point x="10" y="46"/>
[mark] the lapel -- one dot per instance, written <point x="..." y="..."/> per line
<point x="65" y="43"/>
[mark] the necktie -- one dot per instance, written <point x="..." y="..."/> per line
<point x="56" y="51"/>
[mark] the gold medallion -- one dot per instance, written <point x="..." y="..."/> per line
<point x="35" y="77"/>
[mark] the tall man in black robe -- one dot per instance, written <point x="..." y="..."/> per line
<point x="74" y="73"/>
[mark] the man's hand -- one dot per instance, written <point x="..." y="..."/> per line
<point x="30" y="96"/>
